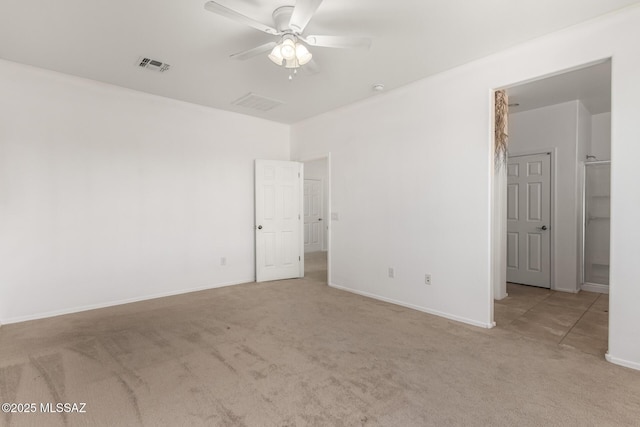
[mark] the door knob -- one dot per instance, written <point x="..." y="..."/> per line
<point x="319" y="219"/>
<point x="543" y="228"/>
<point x="259" y="227"/>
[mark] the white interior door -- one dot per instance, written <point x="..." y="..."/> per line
<point x="312" y="215"/>
<point x="278" y="204"/>
<point x="528" y="220"/>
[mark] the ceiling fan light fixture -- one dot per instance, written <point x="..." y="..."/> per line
<point x="290" y="53"/>
<point x="290" y="23"/>
<point x="276" y="55"/>
<point x="291" y="63"/>
<point x="288" y="49"/>
<point x="303" y="54"/>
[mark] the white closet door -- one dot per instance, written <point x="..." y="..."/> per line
<point x="278" y="228"/>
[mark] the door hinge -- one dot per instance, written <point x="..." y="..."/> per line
<point x="299" y="259"/>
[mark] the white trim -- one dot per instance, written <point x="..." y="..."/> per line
<point x="595" y="287"/>
<point x="119" y="302"/>
<point x="497" y="219"/>
<point x="329" y="210"/>
<point x="566" y="290"/>
<point x="417" y="307"/>
<point x="622" y="362"/>
<point x="300" y="220"/>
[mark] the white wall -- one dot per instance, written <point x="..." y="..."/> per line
<point x="499" y="238"/>
<point x="317" y="169"/>
<point x="413" y="169"/>
<point x="601" y="136"/>
<point x="395" y="161"/>
<point x="563" y="129"/>
<point x="584" y="130"/>
<point x="109" y="195"/>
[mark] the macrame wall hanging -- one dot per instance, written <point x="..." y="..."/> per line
<point x="501" y="128"/>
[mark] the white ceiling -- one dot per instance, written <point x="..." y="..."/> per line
<point x="103" y="39"/>
<point x="590" y="85"/>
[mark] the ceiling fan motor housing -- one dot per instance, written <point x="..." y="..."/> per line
<point x="282" y="17"/>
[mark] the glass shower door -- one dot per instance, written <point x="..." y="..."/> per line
<point x="597" y="191"/>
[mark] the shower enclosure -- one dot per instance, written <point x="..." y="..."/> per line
<point x="595" y="226"/>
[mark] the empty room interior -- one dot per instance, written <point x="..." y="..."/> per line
<point x="308" y="212"/>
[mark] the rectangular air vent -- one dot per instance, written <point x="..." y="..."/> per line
<point x="153" y="64"/>
<point x="257" y="102"/>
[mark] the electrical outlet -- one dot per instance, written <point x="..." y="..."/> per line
<point x="392" y="272"/>
<point x="223" y="261"/>
<point x="427" y="279"/>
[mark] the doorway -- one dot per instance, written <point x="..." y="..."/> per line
<point x="568" y="115"/>
<point x="317" y="224"/>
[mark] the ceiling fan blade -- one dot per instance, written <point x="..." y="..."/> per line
<point x="339" y="42"/>
<point x="219" y="9"/>
<point x="241" y="56"/>
<point x="302" y="13"/>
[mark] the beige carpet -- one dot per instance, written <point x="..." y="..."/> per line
<point x="297" y="353"/>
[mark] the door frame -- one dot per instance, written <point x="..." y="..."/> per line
<point x="328" y="224"/>
<point x="497" y="221"/>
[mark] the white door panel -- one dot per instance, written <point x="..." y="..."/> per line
<point x="528" y="220"/>
<point x="312" y="215"/>
<point x="278" y="223"/>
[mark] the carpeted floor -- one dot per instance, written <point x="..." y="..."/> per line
<point x="297" y="353"/>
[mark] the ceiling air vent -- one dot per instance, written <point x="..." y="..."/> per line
<point x="257" y="102"/>
<point x="153" y="64"/>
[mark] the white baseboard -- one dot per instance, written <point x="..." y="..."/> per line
<point x="118" y="302"/>
<point x="622" y="362"/>
<point x="595" y="287"/>
<point x="569" y="291"/>
<point x="500" y="299"/>
<point x="417" y="307"/>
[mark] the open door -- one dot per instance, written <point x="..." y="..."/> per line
<point x="278" y="228"/>
<point x="529" y="220"/>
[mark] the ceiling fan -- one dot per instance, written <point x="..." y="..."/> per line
<point x="289" y="24"/>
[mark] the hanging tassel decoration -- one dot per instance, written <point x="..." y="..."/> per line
<point x="501" y="127"/>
